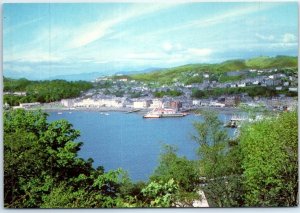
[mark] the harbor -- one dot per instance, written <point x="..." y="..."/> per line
<point x="126" y="140"/>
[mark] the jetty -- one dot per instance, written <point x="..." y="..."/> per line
<point x="235" y="121"/>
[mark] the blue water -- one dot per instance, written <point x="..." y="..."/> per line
<point x="128" y="141"/>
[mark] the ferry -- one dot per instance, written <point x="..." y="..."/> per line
<point x="164" y="113"/>
<point x="152" y="115"/>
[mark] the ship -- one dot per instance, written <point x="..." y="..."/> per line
<point x="152" y="115"/>
<point x="164" y="113"/>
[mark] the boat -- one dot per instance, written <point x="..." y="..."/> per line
<point x="164" y="113"/>
<point x="151" y="115"/>
<point x="106" y="114"/>
<point x="135" y="110"/>
<point x="59" y="113"/>
<point x="169" y="115"/>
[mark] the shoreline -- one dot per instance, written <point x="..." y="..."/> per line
<point x="51" y="108"/>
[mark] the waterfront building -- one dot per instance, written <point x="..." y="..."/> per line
<point x="67" y="102"/>
<point x="141" y="104"/>
<point x="196" y="102"/>
<point x="293" y="89"/>
<point x="156" y="103"/>
<point x="216" y="104"/>
<point x="28" y="105"/>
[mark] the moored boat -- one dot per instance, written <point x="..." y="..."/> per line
<point x="164" y="113"/>
<point x="150" y="115"/>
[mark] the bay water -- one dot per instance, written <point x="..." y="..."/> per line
<point x="128" y="141"/>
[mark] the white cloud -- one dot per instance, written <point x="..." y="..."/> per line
<point x="87" y="34"/>
<point x="232" y="15"/>
<point x="167" y="46"/>
<point x="265" y="38"/>
<point x="9" y="29"/>
<point x="289" y="38"/>
<point x="144" y="56"/>
<point x="199" y="51"/>
<point x="33" y="56"/>
<point x="17" y="68"/>
<point x="171" y="48"/>
<point x="171" y="53"/>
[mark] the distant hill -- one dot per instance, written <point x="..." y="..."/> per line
<point x="81" y="76"/>
<point x="270" y="62"/>
<point x="192" y="73"/>
<point x="93" y="75"/>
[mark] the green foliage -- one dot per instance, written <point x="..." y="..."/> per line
<point x="135" y="94"/>
<point x="212" y="140"/>
<point x="172" y="93"/>
<point x="198" y="93"/>
<point x="183" y="171"/>
<point x="194" y="80"/>
<point x="42" y="169"/>
<point x="269" y="62"/>
<point x="160" y="194"/>
<point x="258" y="168"/>
<point x="180" y="169"/>
<point x="270" y="161"/>
<point x="42" y="91"/>
<point x="185" y="73"/>
<point x="219" y="163"/>
<point x="252" y="91"/>
<point x="224" y="78"/>
<point x="231" y="65"/>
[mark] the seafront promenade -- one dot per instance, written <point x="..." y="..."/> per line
<point x="56" y="107"/>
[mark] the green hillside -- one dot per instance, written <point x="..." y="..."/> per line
<point x="193" y="73"/>
<point x="275" y="62"/>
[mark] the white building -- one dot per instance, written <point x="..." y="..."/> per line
<point x="242" y="85"/>
<point x="293" y="89"/>
<point x="216" y="104"/>
<point x="206" y="75"/>
<point x="141" y="104"/>
<point x="156" y="103"/>
<point x="196" y="102"/>
<point x="28" y="105"/>
<point x="117" y="103"/>
<point x="67" y="102"/>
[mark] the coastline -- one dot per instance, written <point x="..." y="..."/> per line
<point x="53" y="107"/>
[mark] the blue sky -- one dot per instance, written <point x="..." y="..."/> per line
<point x="45" y="40"/>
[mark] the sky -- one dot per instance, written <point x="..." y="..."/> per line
<point x="45" y="40"/>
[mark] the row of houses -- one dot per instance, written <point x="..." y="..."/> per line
<point x="121" y="102"/>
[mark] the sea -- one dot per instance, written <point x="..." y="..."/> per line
<point x="129" y="141"/>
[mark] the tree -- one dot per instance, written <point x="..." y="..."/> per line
<point x="270" y="161"/>
<point x="160" y="194"/>
<point x="183" y="171"/>
<point x="42" y="169"/>
<point x="218" y="163"/>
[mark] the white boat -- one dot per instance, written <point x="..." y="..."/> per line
<point x="164" y="113"/>
<point x="59" y="113"/>
<point x="152" y="115"/>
